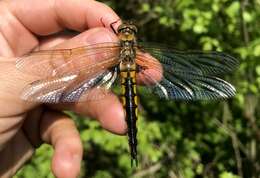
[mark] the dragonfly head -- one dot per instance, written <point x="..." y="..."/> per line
<point x="127" y="31"/>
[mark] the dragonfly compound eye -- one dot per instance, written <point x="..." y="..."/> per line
<point x="127" y="28"/>
<point x="133" y="28"/>
<point x="122" y="27"/>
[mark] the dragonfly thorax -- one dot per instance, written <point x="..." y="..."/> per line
<point x="126" y="34"/>
<point x="127" y="55"/>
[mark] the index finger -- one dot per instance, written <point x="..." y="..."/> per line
<point x="47" y="17"/>
<point x="21" y="20"/>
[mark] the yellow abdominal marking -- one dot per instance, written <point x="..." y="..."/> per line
<point x="123" y="101"/>
<point x="123" y="75"/>
<point x="123" y="90"/>
<point x="134" y="81"/>
<point x="136" y="113"/>
<point x="132" y="75"/>
<point x="136" y="100"/>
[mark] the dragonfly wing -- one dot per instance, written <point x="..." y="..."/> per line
<point x="95" y="88"/>
<point x="60" y="62"/>
<point x="48" y="90"/>
<point x="170" y="82"/>
<point x="70" y="88"/>
<point x="203" y="63"/>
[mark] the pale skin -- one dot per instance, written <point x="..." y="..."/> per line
<point x="27" y="25"/>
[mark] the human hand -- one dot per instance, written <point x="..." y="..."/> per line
<point x="27" y="25"/>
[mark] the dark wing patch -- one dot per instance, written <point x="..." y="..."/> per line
<point x="182" y="81"/>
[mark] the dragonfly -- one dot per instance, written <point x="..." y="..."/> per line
<point x="90" y="72"/>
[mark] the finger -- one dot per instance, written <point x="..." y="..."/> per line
<point x="53" y="40"/>
<point x="92" y="36"/>
<point x="9" y="126"/>
<point x="108" y="110"/>
<point x="78" y="15"/>
<point x="31" y="126"/>
<point x="47" y="18"/>
<point x="61" y="132"/>
<point x="14" y="155"/>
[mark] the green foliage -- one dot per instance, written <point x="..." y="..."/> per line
<point x="39" y="166"/>
<point x="228" y="175"/>
<point x="178" y="139"/>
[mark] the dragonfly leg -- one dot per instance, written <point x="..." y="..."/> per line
<point x="112" y="27"/>
<point x="111" y="24"/>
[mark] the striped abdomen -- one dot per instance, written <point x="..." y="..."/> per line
<point x="129" y="100"/>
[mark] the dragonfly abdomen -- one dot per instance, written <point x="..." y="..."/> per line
<point x="129" y="101"/>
